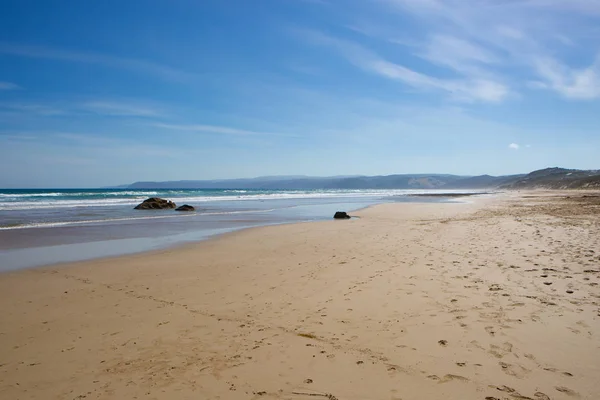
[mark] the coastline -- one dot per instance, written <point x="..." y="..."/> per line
<point x="178" y="245"/>
<point x="143" y="231"/>
<point x="216" y="235"/>
<point x="412" y="300"/>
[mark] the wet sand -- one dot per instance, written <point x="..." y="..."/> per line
<point x="497" y="298"/>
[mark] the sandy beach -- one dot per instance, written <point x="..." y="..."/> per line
<point x="493" y="298"/>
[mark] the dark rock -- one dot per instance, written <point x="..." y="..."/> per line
<point x="185" y="207"/>
<point x="341" y="215"/>
<point x="155" y="203"/>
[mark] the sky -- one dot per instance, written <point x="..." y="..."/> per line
<point x="99" y="93"/>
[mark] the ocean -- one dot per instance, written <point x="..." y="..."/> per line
<point x="43" y="227"/>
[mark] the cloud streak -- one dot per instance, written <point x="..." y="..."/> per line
<point x="216" y="129"/>
<point x="469" y="89"/>
<point x="8" y="86"/>
<point x="31" y="109"/>
<point x="512" y="39"/>
<point x="102" y="108"/>
<point x="583" y="84"/>
<point x="131" y="64"/>
<point x="119" y="109"/>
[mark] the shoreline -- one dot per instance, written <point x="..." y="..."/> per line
<point x="67" y="244"/>
<point x="115" y="248"/>
<point x="181" y="245"/>
<point x="411" y="301"/>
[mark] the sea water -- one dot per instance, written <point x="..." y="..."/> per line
<point x="43" y="227"/>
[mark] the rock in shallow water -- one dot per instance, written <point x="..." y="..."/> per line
<point x="185" y="207"/>
<point x="341" y="215"/>
<point x="155" y="203"/>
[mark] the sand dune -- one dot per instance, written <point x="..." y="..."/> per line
<point x="496" y="298"/>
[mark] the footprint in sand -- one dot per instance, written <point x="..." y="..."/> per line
<point x="567" y="391"/>
<point x="443" y="343"/>
<point x="500" y="351"/>
<point x="541" y="396"/>
<point x="490" y="330"/>
<point x="505" y="388"/>
<point x="452" y="377"/>
<point x="513" y="370"/>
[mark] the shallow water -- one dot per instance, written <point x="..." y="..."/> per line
<point x="103" y="224"/>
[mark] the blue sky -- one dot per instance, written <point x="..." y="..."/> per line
<point x="111" y="92"/>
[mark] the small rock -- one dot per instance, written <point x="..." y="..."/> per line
<point x="155" y="203"/>
<point x="341" y="215"/>
<point x="185" y="207"/>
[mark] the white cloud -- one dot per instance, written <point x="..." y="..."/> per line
<point x="571" y="83"/>
<point x="465" y="90"/>
<point x="458" y="54"/>
<point x="514" y="39"/>
<point x="132" y="64"/>
<point x="469" y="88"/>
<point x="8" y="86"/>
<point x="514" y="146"/>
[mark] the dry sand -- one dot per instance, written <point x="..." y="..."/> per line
<point x="494" y="299"/>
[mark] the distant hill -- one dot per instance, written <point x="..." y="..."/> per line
<point x="414" y="181"/>
<point x="557" y="178"/>
<point x="549" y="178"/>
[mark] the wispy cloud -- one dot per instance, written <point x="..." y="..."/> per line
<point x="103" y="108"/>
<point x="31" y="109"/>
<point x="98" y="143"/>
<point x="514" y="146"/>
<point x="8" y="86"/>
<point x="511" y="40"/>
<point x="471" y="88"/>
<point x="17" y="136"/>
<point x="459" y="55"/>
<point x="121" y="109"/>
<point x="131" y="64"/>
<point x="569" y="82"/>
<point x="216" y="129"/>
